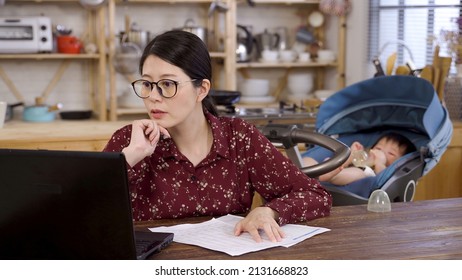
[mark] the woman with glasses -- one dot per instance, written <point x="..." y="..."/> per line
<point x="184" y="160"/>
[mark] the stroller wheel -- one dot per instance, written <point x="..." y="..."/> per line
<point x="409" y="191"/>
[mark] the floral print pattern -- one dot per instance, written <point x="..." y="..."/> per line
<point x="241" y="162"/>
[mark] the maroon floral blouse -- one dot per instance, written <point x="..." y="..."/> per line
<point x="242" y="161"/>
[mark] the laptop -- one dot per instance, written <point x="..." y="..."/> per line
<point x="69" y="205"/>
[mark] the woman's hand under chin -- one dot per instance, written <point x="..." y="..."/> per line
<point x="145" y="135"/>
<point x="261" y="218"/>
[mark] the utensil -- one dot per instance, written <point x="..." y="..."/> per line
<point x="127" y="57"/>
<point x="40" y="113"/>
<point x="63" y="30"/>
<point x="391" y="60"/>
<point x="378" y="67"/>
<point x="427" y="73"/>
<point x="304" y="35"/>
<point x="402" y="70"/>
<point x="218" y="6"/>
<point x="92" y="4"/>
<point x="134" y="34"/>
<point x="76" y="115"/>
<point x="199" y="31"/>
<point x="316" y="19"/>
<point x="225" y="97"/>
<point x="244" y="44"/>
<point x="9" y="110"/>
<point x="267" y="41"/>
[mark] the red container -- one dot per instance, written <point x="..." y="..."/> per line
<point x="68" y="44"/>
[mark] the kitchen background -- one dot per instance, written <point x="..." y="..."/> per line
<point x="31" y="77"/>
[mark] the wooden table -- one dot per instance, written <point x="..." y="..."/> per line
<point x="429" y="229"/>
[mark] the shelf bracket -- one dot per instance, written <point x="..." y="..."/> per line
<point x="11" y="85"/>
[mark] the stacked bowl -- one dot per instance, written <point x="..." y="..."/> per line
<point x="300" y="84"/>
<point x="255" y="91"/>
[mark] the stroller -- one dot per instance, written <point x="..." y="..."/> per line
<point x="362" y="112"/>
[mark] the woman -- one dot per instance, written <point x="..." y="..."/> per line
<point x="185" y="161"/>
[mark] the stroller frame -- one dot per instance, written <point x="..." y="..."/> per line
<point x="407" y="105"/>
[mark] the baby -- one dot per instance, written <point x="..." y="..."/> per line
<point x="387" y="149"/>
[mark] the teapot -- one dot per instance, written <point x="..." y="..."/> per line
<point x="244" y="44"/>
<point x="267" y="41"/>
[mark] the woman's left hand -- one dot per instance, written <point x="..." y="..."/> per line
<point x="260" y="218"/>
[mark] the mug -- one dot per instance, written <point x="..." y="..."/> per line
<point x="304" y="57"/>
<point x="68" y="44"/>
<point x="3" y="106"/>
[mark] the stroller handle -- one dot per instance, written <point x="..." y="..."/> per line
<point x="289" y="136"/>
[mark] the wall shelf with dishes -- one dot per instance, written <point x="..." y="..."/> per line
<point x="82" y="50"/>
<point x="224" y="25"/>
<point x="297" y="39"/>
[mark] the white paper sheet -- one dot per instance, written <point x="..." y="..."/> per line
<point x="218" y="234"/>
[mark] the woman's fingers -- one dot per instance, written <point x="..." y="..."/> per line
<point x="272" y="230"/>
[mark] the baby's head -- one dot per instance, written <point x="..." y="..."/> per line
<point x="394" y="146"/>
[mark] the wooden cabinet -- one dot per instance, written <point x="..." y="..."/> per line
<point x="445" y="179"/>
<point x="223" y="26"/>
<point x="95" y="63"/>
<point x="296" y="12"/>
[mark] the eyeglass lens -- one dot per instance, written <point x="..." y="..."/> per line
<point x="166" y="88"/>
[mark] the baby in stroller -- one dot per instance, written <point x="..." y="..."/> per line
<point x="364" y="112"/>
<point x="362" y="163"/>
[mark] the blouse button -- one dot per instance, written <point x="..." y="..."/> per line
<point x="193" y="178"/>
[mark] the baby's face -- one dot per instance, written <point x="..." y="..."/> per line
<point x="391" y="149"/>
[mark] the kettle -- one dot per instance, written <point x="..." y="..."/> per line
<point x="267" y="41"/>
<point x="244" y="44"/>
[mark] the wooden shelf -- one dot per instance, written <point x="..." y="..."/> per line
<point x="227" y="58"/>
<point x="49" y="56"/>
<point x="279" y="2"/>
<point x="283" y="64"/>
<point x="95" y="63"/>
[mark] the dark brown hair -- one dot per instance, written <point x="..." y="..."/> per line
<point x="400" y="139"/>
<point x="186" y="51"/>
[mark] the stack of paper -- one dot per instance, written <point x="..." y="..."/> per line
<point x="218" y="235"/>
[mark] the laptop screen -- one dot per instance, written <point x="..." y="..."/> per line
<point x="64" y="205"/>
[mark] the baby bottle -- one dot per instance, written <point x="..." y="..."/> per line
<point x="361" y="158"/>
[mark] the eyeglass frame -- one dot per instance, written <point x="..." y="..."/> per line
<point x="176" y="83"/>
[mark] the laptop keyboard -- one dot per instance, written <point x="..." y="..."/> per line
<point x="143" y="246"/>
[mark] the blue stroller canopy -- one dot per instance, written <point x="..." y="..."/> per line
<point x="405" y="103"/>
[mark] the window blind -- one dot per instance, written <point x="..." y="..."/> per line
<point x="407" y="27"/>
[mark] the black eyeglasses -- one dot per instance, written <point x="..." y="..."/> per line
<point x="165" y="87"/>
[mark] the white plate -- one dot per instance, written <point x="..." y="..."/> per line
<point x="257" y="99"/>
<point x="316" y="19"/>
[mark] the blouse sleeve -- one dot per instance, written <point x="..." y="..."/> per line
<point x="287" y="190"/>
<point x="119" y="140"/>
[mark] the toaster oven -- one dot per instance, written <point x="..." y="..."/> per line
<point x="25" y="35"/>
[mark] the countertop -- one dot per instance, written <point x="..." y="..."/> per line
<point x="17" y="130"/>
<point x="88" y="135"/>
